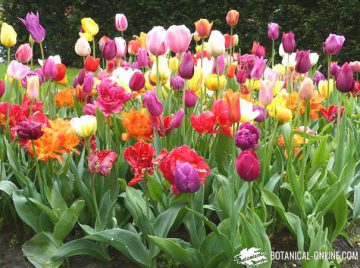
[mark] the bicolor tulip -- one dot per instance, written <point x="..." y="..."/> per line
<point x="82" y="47"/>
<point x="84" y="126"/>
<point x="33" y="87"/>
<point x="266" y="93"/>
<point x="121" y="22"/>
<point x="232" y="17"/>
<point x="203" y="28"/>
<point x="120" y="47"/>
<point x="23" y="53"/>
<point x="216" y="44"/>
<point x="259" y="68"/>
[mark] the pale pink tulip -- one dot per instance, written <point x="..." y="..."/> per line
<point x="178" y="38"/>
<point x="156" y="41"/>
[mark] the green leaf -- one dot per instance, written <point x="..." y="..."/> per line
<point x="165" y="220"/>
<point x="105" y="211"/>
<point x="356" y="210"/>
<point x="52" y="215"/>
<point x="56" y="200"/>
<point x="8" y="187"/>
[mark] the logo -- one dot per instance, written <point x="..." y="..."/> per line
<point x="250" y="256"/>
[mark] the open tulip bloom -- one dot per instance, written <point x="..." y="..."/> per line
<point x="179" y="151"/>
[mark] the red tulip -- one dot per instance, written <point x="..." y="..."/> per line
<point x="248" y="165"/>
<point x="91" y="64"/>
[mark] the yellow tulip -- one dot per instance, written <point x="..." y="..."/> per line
<point x="8" y="35"/>
<point x="148" y="85"/>
<point x="87" y="36"/>
<point x="284" y="114"/>
<point x="196" y="82"/>
<point x="90" y="26"/>
<point x="324" y="88"/>
<point x="255" y="84"/>
<point x="164" y="71"/>
<point x="84" y="126"/>
<point x="174" y="64"/>
<point x="212" y="82"/>
<point x="279" y="68"/>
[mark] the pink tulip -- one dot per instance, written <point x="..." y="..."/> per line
<point x="156" y="41"/>
<point x="178" y="38"/>
<point x="121" y="23"/>
<point x="2" y="88"/>
<point x="120" y="47"/>
<point x="177" y="118"/>
<point x="266" y="93"/>
<point x="355" y="66"/>
<point x="17" y="70"/>
<point x="307" y="89"/>
<point x="33" y="87"/>
<point x="259" y="68"/>
<point x="24" y="53"/>
<point x="333" y="44"/>
<point x="345" y="79"/>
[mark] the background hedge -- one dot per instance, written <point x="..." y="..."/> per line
<point x="310" y="20"/>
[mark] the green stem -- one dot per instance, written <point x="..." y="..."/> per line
<point x="94" y="48"/>
<point x="273" y="54"/>
<point x="328" y="83"/>
<point x="8" y="55"/>
<point x="32" y="58"/>
<point x="218" y="78"/>
<point x="251" y="196"/>
<point x="146" y="194"/>
<point x="94" y="194"/>
<point x="157" y="77"/>
<point x="37" y="169"/>
<point x="42" y="52"/>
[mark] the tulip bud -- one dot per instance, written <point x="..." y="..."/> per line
<point x="91" y="64"/>
<point x="84" y="126"/>
<point x="49" y="69"/>
<point x="2" y="88"/>
<point x="318" y="76"/>
<point x="82" y="47"/>
<point x="7" y="35"/>
<point x="23" y="53"/>
<point x="248" y="165"/>
<point x="213" y="82"/>
<point x="121" y="23"/>
<point x="220" y="62"/>
<point x="307" y="89"/>
<point x="177" y="83"/>
<point x="258" y="50"/>
<point x="288" y="42"/>
<point x="258" y="69"/>
<point x="186" y="68"/>
<point x="283" y="115"/>
<point x="29" y="130"/>
<point x="273" y="31"/>
<point x="235" y="40"/>
<point x="266" y="93"/>
<point x="241" y="76"/>
<point x="109" y="50"/>
<point x="216" y="44"/>
<point x="152" y="103"/>
<point x="190" y="98"/>
<point x="247" y="136"/>
<point x="355" y="66"/>
<point x="88" y="83"/>
<point x="334" y="69"/>
<point x="156" y="41"/>
<point x="60" y="72"/>
<point x="187" y="179"/>
<point x="33" y="87"/>
<point x="120" y="47"/>
<point x="232" y="18"/>
<point x="203" y="28"/>
<point x="345" y="79"/>
<point x="333" y="44"/>
<point x="137" y="81"/>
<point x="177" y="118"/>
<point x="102" y="42"/>
<point x="303" y="63"/>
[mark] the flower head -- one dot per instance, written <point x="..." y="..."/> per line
<point x="33" y="26"/>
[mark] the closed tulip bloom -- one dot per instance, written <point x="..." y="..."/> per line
<point x="258" y="50"/>
<point x="333" y="44"/>
<point x="247" y="137"/>
<point x="307" y="89"/>
<point x="33" y="87"/>
<point x="314" y="58"/>
<point x="235" y="40"/>
<point x="177" y="82"/>
<point x="334" y="69"/>
<point x="17" y="70"/>
<point x="303" y="62"/>
<point x="102" y="42"/>
<point x="355" y="66"/>
<point x="137" y="81"/>
<point x="29" y="130"/>
<point x="190" y="98"/>
<point x="88" y="83"/>
<point x="91" y="64"/>
<point x="259" y="68"/>
<point x="219" y="65"/>
<point x="33" y="26"/>
<point x="283" y="115"/>
<point x="273" y="31"/>
<point x="152" y="103"/>
<point x="261" y="117"/>
<point x="121" y="22"/>
<point x="90" y="109"/>
<point x="266" y="93"/>
<point x="241" y="76"/>
<point x="232" y="17"/>
<point x="248" y="165"/>
<point x="84" y="126"/>
<point x="216" y="44"/>
<point x="90" y="26"/>
<point x="203" y="28"/>
<point x="187" y="179"/>
<point x="142" y="58"/>
<point x="156" y="41"/>
<point x="49" y="69"/>
<point x="288" y="42"/>
<point x="109" y="50"/>
<point x="318" y="76"/>
<point x="177" y="118"/>
<point x="2" y="88"/>
<point x="345" y="79"/>
<point x="24" y="53"/>
<point x="120" y="47"/>
<point x="212" y="82"/>
<point x="82" y="47"/>
<point x="7" y="35"/>
<point x="178" y="38"/>
<point x="186" y="68"/>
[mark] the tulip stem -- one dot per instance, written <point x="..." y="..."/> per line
<point x="8" y="55"/>
<point x="251" y="196"/>
<point x="42" y="52"/>
<point x="94" y="48"/>
<point x="157" y="77"/>
<point x="273" y="54"/>
<point x="94" y="194"/>
<point x="329" y="71"/>
<point x="37" y="169"/>
<point x="32" y="57"/>
<point x="218" y="78"/>
<point x="231" y="49"/>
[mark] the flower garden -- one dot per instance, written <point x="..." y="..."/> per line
<point x="176" y="148"/>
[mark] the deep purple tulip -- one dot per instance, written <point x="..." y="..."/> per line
<point x="186" y="68"/>
<point x="187" y="179"/>
<point x="137" y="81"/>
<point x="142" y="58"/>
<point x="177" y="118"/>
<point x="241" y="76"/>
<point x="259" y="68"/>
<point x="152" y="103"/>
<point x="88" y="83"/>
<point x="334" y="69"/>
<point x="318" y="76"/>
<point x="190" y="98"/>
<point x="333" y="44"/>
<point x="109" y="50"/>
<point x="49" y="69"/>
<point x="248" y="165"/>
<point x="303" y="62"/>
<point x="81" y="76"/>
<point x="247" y="137"/>
<point x="288" y="42"/>
<point x="177" y="82"/>
<point x="273" y="31"/>
<point x="29" y="130"/>
<point x="261" y="116"/>
<point x="32" y="23"/>
<point x="2" y="88"/>
<point x="345" y="79"/>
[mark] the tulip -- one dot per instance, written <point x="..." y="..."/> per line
<point x="203" y="28"/>
<point x="216" y="44"/>
<point x="23" y="53"/>
<point x="32" y="24"/>
<point x="187" y="179"/>
<point x="82" y="47"/>
<point x="228" y="41"/>
<point x="177" y="118"/>
<point x="17" y="70"/>
<point x="91" y="64"/>
<point x="248" y="165"/>
<point x="178" y="38"/>
<point x="109" y="50"/>
<point x="334" y="69"/>
<point x="102" y="42"/>
<point x="232" y="18"/>
<point x="177" y="82"/>
<point x="88" y="83"/>
<point x="120" y="47"/>
<point x="241" y="76"/>
<point x="303" y="63"/>
<point x="90" y="26"/>
<point x="121" y="23"/>
<point x="137" y="81"/>
<point x="101" y="162"/>
<point x="89" y="109"/>
<point x="258" y="69"/>
<point x="266" y="93"/>
<point x="7" y="35"/>
<point x="331" y="114"/>
<point x="84" y="126"/>
<point x="326" y="87"/>
<point x="273" y="31"/>
<point x="283" y="115"/>
<point x="307" y="89"/>
<point x="318" y="76"/>
<point x="345" y="79"/>
<point x="186" y="68"/>
<point x="49" y="69"/>
<point x="355" y="66"/>
<point x="219" y="65"/>
<point x="190" y="98"/>
<point x="333" y="44"/>
<point x="2" y="88"/>
<point x="142" y="58"/>
<point x="247" y="137"/>
<point x="288" y="42"/>
<point x="152" y="103"/>
<point x="261" y="117"/>
<point x="29" y="130"/>
<point x="314" y="58"/>
<point x="258" y="50"/>
<point x="33" y="87"/>
<point x="156" y="41"/>
<point x="215" y="82"/>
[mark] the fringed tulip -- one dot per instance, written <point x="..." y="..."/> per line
<point x="29" y="130"/>
<point x="247" y="137"/>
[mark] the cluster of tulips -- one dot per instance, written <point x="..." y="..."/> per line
<point x="180" y="120"/>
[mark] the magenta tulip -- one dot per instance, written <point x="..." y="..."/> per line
<point x="186" y="68"/>
<point x="190" y="98"/>
<point x="345" y="79"/>
<point x="303" y="62"/>
<point x="88" y="83"/>
<point x="247" y="137"/>
<point x="288" y="42"/>
<point x="109" y="49"/>
<point x="177" y="82"/>
<point x="137" y="81"/>
<point x="273" y="31"/>
<point x="49" y="69"/>
<point x="333" y="44"/>
<point x="187" y="179"/>
<point x="248" y="165"/>
<point x="177" y="118"/>
<point x="241" y="76"/>
<point x="259" y="68"/>
<point x="152" y="103"/>
<point x="2" y="88"/>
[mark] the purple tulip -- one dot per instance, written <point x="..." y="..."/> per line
<point x="186" y="68"/>
<point x="190" y="98"/>
<point x="88" y="83"/>
<point x="318" y="76"/>
<point x="90" y="109"/>
<point x="241" y="76"/>
<point x="273" y="31"/>
<point x="333" y="44"/>
<point x="177" y="82"/>
<point x="259" y="68"/>
<point x="345" y="79"/>
<point x="261" y="116"/>
<point x="49" y="69"/>
<point x="2" y="88"/>
<point x="137" y="81"/>
<point x="288" y="42"/>
<point x="109" y="50"/>
<point x="303" y="62"/>
<point x="187" y="179"/>
<point x="81" y="76"/>
<point x="177" y="118"/>
<point x="247" y="136"/>
<point x="32" y="23"/>
<point x="221" y="65"/>
<point x="37" y="72"/>
<point x="142" y="58"/>
<point x="152" y="103"/>
<point x="29" y="130"/>
<point x="334" y="69"/>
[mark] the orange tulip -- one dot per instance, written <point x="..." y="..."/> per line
<point x="232" y="17"/>
<point x="233" y="105"/>
<point x="231" y="71"/>
<point x="137" y="124"/>
<point x="203" y="27"/>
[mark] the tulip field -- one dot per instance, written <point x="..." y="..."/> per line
<point x="177" y="149"/>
